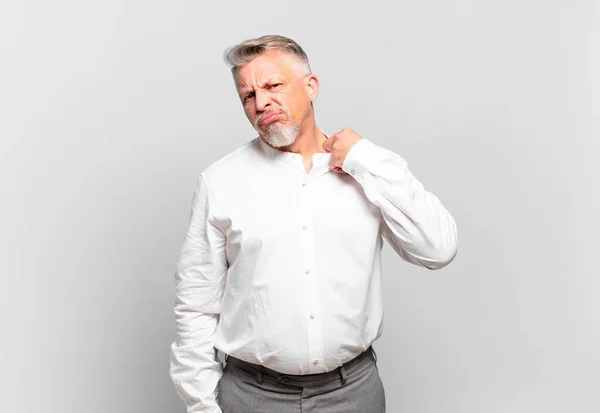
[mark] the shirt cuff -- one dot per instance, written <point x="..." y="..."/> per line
<point x="358" y="159"/>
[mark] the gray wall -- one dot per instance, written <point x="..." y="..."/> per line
<point x="110" y="110"/>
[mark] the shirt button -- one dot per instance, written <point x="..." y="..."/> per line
<point x="304" y="184"/>
<point x="312" y="316"/>
<point x="315" y="362"/>
<point x="307" y="271"/>
<point x="352" y="171"/>
<point x="304" y="226"/>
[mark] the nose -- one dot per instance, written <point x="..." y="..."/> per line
<point x="263" y="100"/>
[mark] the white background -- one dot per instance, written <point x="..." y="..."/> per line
<point x="110" y="110"/>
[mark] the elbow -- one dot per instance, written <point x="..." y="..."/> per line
<point x="442" y="256"/>
<point x="444" y="249"/>
<point x="441" y="259"/>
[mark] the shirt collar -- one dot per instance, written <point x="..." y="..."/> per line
<point x="279" y="154"/>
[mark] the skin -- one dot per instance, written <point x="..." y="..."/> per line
<point x="271" y="81"/>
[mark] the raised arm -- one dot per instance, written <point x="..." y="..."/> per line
<point x="414" y="221"/>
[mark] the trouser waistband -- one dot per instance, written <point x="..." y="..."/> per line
<point x="266" y="374"/>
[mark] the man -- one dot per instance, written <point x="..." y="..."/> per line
<point x="281" y="267"/>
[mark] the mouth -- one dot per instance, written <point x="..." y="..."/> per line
<point x="269" y="119"/>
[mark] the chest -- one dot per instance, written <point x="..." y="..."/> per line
<point x="273" y="209"/>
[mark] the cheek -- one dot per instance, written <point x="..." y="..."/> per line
<point x="295" y="104"/>
<point x="301" y="107"/>
<point x="280" y="100"/>
<point x="250" y="114"/>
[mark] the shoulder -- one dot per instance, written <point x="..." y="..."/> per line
<point x="233" y="165"/>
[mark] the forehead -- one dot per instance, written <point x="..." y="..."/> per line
<point x="265" y="66"/>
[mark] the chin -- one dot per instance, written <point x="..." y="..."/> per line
<point x="278" y="142"/>
<point x="280" y="136"/>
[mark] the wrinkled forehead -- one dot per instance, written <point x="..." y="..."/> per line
<point x="264" y="67"/>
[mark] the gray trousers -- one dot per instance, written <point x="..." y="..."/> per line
<point x="354" y="387"/>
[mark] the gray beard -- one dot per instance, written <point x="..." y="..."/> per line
<point x="279" y="136"/>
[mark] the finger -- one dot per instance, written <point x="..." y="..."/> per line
<point x="333" y="166"/>
<point x="328" y="144"/>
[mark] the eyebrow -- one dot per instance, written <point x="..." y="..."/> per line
<point x="246" y="89"/>
<point x="274" y="79"/>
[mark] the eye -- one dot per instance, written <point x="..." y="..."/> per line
<point x="248" y="97"/>
<point x="275" y="85"/>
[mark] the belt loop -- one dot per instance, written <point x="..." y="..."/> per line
<point x="343" y="373"/>
<point x="259" y="373"/>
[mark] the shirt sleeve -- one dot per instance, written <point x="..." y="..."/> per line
<point x="199" y="282"/>
<point x="414" y="221"/>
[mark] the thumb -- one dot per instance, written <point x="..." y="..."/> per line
<point x="328" y="144"/>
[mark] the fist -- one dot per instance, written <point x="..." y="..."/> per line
<point x="338" y="145"/>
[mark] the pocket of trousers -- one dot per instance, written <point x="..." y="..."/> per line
<point x="218" y="391"/>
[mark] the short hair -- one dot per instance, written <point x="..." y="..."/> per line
<point x="242" y="53"/>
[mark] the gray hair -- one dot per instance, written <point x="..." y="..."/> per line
<point x="242" y="53"/>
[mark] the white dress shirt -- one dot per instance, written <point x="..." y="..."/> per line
<point x="283" y="268"/>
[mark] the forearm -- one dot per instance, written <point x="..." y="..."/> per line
<point x="195" y="368"/>
<point x="416" y="223"/>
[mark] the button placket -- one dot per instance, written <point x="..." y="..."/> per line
<point x="313" y="325"/>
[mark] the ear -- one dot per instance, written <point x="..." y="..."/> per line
<point x="311" y="83"/>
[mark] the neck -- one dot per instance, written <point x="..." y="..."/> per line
<point x="309" y="141"/>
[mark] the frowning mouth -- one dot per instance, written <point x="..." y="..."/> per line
<point x="270" y="118"/>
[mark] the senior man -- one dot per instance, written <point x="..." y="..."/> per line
<point x="280" y="269"/>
